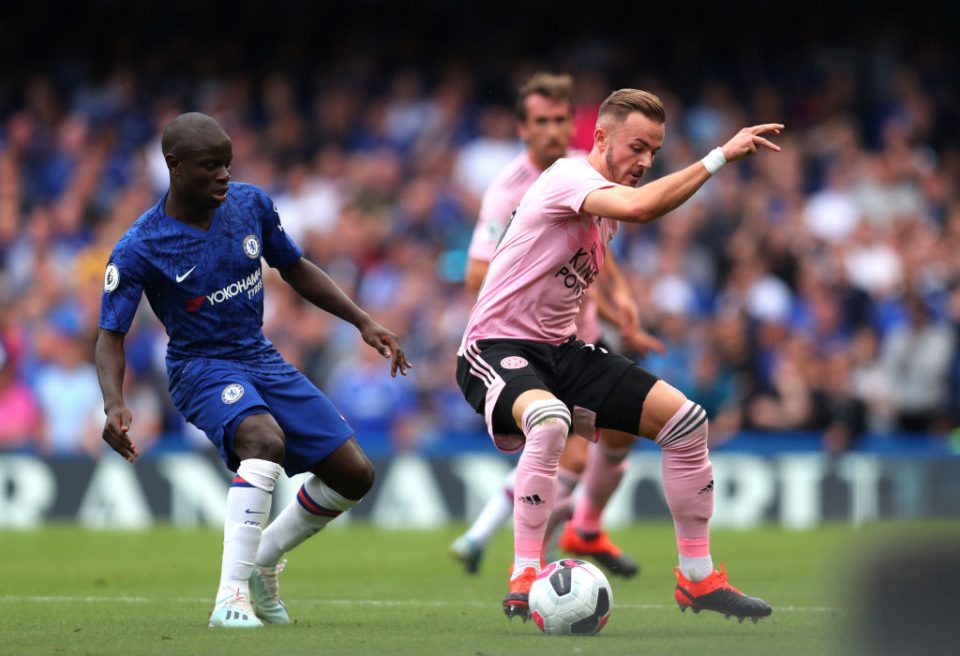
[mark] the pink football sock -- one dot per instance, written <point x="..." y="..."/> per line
<point x="545" y="425"/>
<point x="567" y="480"/>
<point x="562" y="508"/>
<point x="688" y="479"/>
<point x="605" y="468"/>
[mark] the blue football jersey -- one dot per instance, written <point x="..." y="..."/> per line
<point x="206" y="287"/>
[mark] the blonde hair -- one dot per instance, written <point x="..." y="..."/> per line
<point x="623" y="102"/>
<point x="555" y="87"/>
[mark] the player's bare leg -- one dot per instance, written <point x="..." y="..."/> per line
<point x="680" y="427"/>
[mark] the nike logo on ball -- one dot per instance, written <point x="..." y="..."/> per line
<point x="183" y="277"/>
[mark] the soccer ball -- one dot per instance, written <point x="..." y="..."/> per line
<point x="570" y="597"/>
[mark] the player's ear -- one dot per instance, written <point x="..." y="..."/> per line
<point x="600" y="137"/>
<point x="522" y="130"/>
<point x="172" y="162"/>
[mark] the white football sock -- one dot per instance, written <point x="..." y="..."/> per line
<point x="248" y="508"/>
<point x="696" y="568"/>
<point x="497" y="510"/>
<point x="316" y="506"/>
<point x="520" y="564"/>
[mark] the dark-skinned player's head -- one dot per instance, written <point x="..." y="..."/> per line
<point x="198" y="153"/>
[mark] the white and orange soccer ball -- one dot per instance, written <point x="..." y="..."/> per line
<point x="570" y="597"/>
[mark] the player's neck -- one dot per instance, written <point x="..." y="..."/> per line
<point x="540" y="165"/>
<point x="197" y="218"/>
<point x="595" y="159"/>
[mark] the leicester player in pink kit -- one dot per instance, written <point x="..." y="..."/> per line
<point x="545" y="123"/>
<point x="520" y="365"/>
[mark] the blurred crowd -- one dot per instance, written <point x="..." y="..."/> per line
<point x="813" y="290"/>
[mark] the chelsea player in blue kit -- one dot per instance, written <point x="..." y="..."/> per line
<point x="196" y="255"/>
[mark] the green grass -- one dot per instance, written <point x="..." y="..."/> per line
<point x="360" y="590"/>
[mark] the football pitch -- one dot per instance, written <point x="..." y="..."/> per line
<point x="361" y="590"/>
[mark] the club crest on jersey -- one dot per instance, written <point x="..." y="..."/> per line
<point x="513" y="362"/>
<point x="251" y="247"/>
<point x="231" y="393"/>
<point x="111" y="277"/>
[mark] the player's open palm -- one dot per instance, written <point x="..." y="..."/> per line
<point x="115" y="432"/>
<point x="748" y="140"/>
<point x="387" y="344"/>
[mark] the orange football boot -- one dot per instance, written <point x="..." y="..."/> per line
<point x="600" y="548"/>
<point x="517" y="600"/>
<point x="715" y="593"/>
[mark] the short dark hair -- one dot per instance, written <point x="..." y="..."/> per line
<point x="623" y="102"/>
<point x="555" y="87"/>
<point x="185" y="129"/>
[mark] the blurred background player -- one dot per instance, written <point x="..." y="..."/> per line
<point x="196" y="254"/>
<point x="521" y="366"/>
<point x="544" y="111"/>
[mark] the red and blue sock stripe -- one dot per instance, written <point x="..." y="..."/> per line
<point x="314" y="508"/>
<point x="238" y="481"/>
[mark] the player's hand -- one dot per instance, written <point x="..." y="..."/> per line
<point x="748" y="140"/>
<point x="115" y="432"/>
<point x="387" y="345"/>
<point x="628" y="315"/>
<point x="643" y="342"/>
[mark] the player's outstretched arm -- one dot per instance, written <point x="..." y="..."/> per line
<point x="653" y="200"/>
<point x="111" y="361"/>
<point x="311" y="282"/>
<point x="749" y="140"/>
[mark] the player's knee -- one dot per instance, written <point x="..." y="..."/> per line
<point x="365" y="479"/>
<point x="546" y="424"/>
<point x="548" y="413"/>
<point x="688" y="432"/>
<point x="262" y="444"/>
<point x="353" y="477"/>
<point x="614" y="456"/>
<point x="274" y="449"/>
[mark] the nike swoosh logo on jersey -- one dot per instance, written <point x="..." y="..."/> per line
<point x="183" y="277"/>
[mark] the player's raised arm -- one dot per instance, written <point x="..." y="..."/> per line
<point x="111" y="361"/>
<point x="311" y="282"/>
<point x="651" y="201"/>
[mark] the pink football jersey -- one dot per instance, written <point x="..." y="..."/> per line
<point x="549" y="255"/>
<point x="499" y="201"/>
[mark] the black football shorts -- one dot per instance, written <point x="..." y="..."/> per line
<point x="601" y="389"/>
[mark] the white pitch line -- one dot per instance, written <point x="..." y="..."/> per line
<point x="73" y="599"/>
<point x="344" y="602"/>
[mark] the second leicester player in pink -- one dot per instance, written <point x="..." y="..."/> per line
<point x="520" y="365"/>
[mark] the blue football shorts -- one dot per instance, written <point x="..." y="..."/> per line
<point x="216" y="395"/>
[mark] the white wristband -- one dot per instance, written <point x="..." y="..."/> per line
<point x="714" y="160"/>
